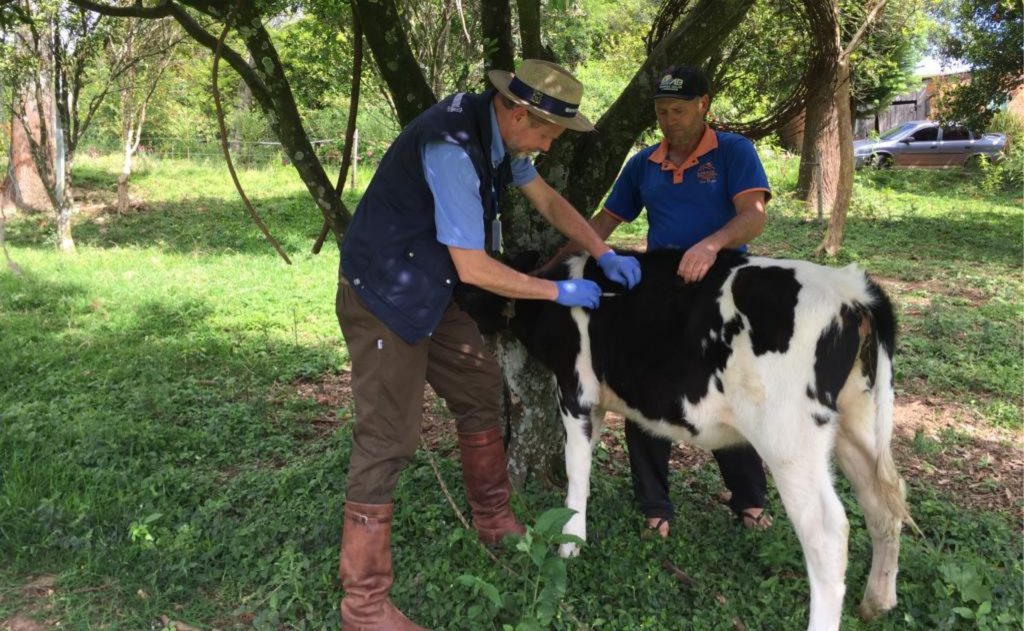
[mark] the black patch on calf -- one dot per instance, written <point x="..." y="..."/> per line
<point x="731" y="329"/>
<point x="653" y="345"/>
<point x="767" y="297"/>
<point x="882" y="320"/>
<point x="834" y="355"/>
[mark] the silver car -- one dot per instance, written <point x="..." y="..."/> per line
<point x="927" y="144"/>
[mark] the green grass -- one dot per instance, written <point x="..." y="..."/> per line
<point x="156" y="457"/>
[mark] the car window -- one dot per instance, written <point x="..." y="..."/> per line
<point x="889" y="133"/>
<point x="926" y="134"/>
<point x="955" y="133"/>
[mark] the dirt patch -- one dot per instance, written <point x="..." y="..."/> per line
<point x="909" y="292"/>
<point x="950" y="447"/>
<point x="940" y="443"/>
<point x="334" y="393"/>
<point x="36" y="602"/>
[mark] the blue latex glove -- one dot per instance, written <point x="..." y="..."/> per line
<point x="578" y="293"/>
<point x="624" y="270"/>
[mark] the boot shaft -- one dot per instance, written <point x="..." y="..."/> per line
<point x="365" y="570"/>
<point x="485" y="473"/>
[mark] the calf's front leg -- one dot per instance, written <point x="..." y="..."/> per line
<point x="582" y="428"/>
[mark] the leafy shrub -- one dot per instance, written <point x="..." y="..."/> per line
<point x="1006" y="174"/>
<point x="539" y="587"/>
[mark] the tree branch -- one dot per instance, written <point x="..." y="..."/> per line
<point x="166" y="8"/>
<point x="161" y="10"/>
<point x="395" y="60"/>
<point x="871" y="16"/>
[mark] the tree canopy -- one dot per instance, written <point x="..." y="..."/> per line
<point x="985" y="35"/>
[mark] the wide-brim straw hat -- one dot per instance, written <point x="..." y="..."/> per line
<point x="546" y="90"/>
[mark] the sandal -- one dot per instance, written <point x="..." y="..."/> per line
<point x="754" y="521"/>
<point x="651" y="530"/>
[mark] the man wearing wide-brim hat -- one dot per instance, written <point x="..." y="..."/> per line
<point x="428" y="220"/>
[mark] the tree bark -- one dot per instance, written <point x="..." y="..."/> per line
<point x="530" y="30"/>
<point x="23" y="187"/>
<point x="818" y="149"/>
<point x="386" y="38"/>
<point x="496" y="24"/>
<point x="843" y="140"/>
<point x="844" y="185"/>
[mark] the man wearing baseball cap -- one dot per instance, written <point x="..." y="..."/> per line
<point x="704" y="191"/>
<point x="426" y="222"/>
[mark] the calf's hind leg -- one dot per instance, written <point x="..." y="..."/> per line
<point x="880" y="494"/>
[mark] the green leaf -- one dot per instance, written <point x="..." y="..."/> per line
<point x="538" y="551"/>
<point x="964" y="612"/>
<point x="564" y="538"/>
<point x="491" y="592"/>
<point x="552" y="521"/>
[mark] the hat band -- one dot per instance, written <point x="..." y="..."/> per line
<point x="542" y="101"/>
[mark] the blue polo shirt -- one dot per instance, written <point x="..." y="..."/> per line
<point x="686" y="203"/>
<point x="456" y="188"/>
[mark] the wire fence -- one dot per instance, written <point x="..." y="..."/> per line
<point x="243" y="152"/>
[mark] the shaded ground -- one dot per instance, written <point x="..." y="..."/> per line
<point x="937" y="442"/>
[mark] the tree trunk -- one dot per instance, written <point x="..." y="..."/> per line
<point x="844" y="186"/>
<point x="583" y="167"/>
<point x="496" y="24"/>
<point x="65" y="243"/>
<point x="819" y="120"/>
<point x="530" y="29"/>
<point x="843" y="139"/>
<point x="819" y="159"/>
<point x="24" y="186"/>
<point x="122" y="179"/>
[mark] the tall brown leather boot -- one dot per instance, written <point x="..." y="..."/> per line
<point x="486" y="477"/>
<point x="365" y="571"/>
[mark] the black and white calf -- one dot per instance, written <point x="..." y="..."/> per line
<point x="791" y="357"/>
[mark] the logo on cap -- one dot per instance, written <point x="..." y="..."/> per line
<point x="671" y="84"/>
<point x="537" y="97"/>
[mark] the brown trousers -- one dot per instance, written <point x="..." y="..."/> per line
<point x="388" y="376"/>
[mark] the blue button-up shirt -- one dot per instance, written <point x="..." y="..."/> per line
<point x="453" y="181"/>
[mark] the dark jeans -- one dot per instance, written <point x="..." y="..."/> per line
<point x="648" y="459"/>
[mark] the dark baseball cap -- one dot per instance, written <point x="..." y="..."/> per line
<point x="681" y="82"/>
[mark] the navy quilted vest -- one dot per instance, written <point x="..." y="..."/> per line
<point x="390" y="253"/>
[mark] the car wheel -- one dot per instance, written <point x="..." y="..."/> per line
<point x="883" y="161"/>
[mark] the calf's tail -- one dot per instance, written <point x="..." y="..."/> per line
<point x="880" y="342"/>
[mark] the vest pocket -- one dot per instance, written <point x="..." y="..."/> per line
<point x="416" y="280"/>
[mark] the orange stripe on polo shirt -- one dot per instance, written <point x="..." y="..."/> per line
<point x="767" y="193"/>
<point x="613" y="214"/>
<point x="708" y="141"/>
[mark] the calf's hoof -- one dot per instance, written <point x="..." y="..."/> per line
<point x="869" y="610"/>
<point x="568" y="550"/>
